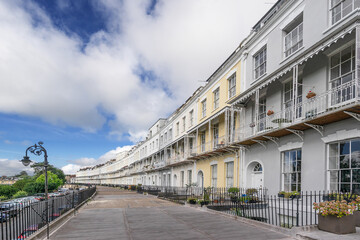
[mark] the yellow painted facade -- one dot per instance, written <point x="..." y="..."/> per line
<point x="223" y="85"/>
<point x="219" y="122"/>
<point x="205" y="167"/>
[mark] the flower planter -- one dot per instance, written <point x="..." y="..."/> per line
<point x="270" y="112"/>
<point x="333" y="224"/>
<point x="357" y="218"/>
<point x="310" y="95"/>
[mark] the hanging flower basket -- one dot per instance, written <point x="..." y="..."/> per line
<point x="270" y="112"/>
<point x="310" y="94"/>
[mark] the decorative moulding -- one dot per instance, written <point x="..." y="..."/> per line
<point x="290" y="146"/>
<point x="213" y="163"/>
<point x="341" y="135"/>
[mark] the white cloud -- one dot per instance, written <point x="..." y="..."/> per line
<point x="75" y="165"/>
<point x="12" y="167"/>
<point x="48" y="74"/>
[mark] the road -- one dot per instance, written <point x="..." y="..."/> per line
<point x="120" y="214"/>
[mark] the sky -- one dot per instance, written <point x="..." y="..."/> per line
<point x="89" y="77"/>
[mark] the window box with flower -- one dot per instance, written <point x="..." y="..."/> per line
<point x="270" y="112"/>
<point x="336" y="216"/>
<point x="310" y="95"/>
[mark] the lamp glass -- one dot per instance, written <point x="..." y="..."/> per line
<point x="26" y="161"/>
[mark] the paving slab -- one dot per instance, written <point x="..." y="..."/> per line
<point x="121" y="214"/>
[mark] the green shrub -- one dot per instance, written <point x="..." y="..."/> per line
<point x="2" y="198"/>
<point x="251" y="191"/>
<point x="20" y="194"/>
<point x="233" y="190"/>
<point x="7" y="190"/>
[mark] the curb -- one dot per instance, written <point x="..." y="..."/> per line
<point x="41" y="234"/>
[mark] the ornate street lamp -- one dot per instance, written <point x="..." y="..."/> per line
<point x="38" y="149"/>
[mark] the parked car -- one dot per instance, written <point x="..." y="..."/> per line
<point x="40" y="196"/>
<point x="4" y="217"/>
<point x="9" y="208"/>
<point x="30" y="230"/>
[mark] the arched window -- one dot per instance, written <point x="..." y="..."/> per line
<point x="257" y="168"/>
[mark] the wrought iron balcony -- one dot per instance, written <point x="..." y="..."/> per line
<point x="333" y="105"/>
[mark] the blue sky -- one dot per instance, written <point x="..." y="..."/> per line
<point x="88" y="77"/>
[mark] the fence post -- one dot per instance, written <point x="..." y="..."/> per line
<point x="297" y="210"/>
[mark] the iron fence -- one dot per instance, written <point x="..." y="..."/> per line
<point x="286" y="209"/>
<point x="20" y="219"/>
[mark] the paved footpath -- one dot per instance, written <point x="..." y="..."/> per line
<point x="120" y="214"/>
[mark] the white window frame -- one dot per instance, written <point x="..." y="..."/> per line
<point x="298" y="183"/>
<point x="232" y="86"/>
<point x="214" y="175"/>
<point x="216" y="95"/>
<point x="177" y="129"/>
<point x="191" y="118"/>
<point x="294" y="46"/>
<point x="189" y="176"/>
<point x="229" y="177"/>
<point x="341" y="6"/>
<point x="184" y="124"/>
<point x="203" y="108"/>
<point x="262" y="51"/>
<point x="338" y="169"/>
<point x="340" y="96"/>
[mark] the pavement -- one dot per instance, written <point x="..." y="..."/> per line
<point x="313" y="233"/>
<point x="121" y="214"/>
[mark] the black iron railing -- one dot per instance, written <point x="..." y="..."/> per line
<point x="286" y="209"/>
<point x="20" y="219"/>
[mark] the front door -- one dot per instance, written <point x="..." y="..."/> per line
<point x="257" y="176"/>
<point x="257" y="180"/>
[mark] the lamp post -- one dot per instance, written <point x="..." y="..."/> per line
<point x="38" y="149"/>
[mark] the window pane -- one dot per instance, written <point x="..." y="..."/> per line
<point x="345" y="188"/>
<point x="356" y="176"/>
<point x="299" y="166"/>
<point x="344" y="148"/>
<point x="333" y="162"/>
<point x="355" y="160"/>
<point x="335" y="60"/>
<point x="333" y="150"/>
<point x="286" y="162"/>
<point x="344" y="161"/>
<point x="355" y="146"/>
<point x="356" y="189"/>
<point x="345" y="176"/>
<point x="298" y="155"/>
<point x="335" y="72"/>
<point x="334" y="177"/>
<point x="345" y="67"/>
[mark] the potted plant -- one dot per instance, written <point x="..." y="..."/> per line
<point x="294" y="194"/>
<point x="192" y="200"/>
<point x="336" y="216"/>
<point x="251" y="191"/>
<point x="203" y="202"/>
<point x="270" y="112"/>
<point x="310" y="95"/>
<point x="281" y="194"/>
<point x="233" y="191"/>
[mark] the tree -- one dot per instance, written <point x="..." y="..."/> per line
<point x="39" y="169"/>
<point x="7" y="190"/>
<point x="53" y="180"/>
<point x="20" y="194"/>
<point x="20" y="184"/>
<point x="22" y="174"/>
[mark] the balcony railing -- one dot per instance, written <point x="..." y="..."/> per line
<point x="311" y="108"/>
